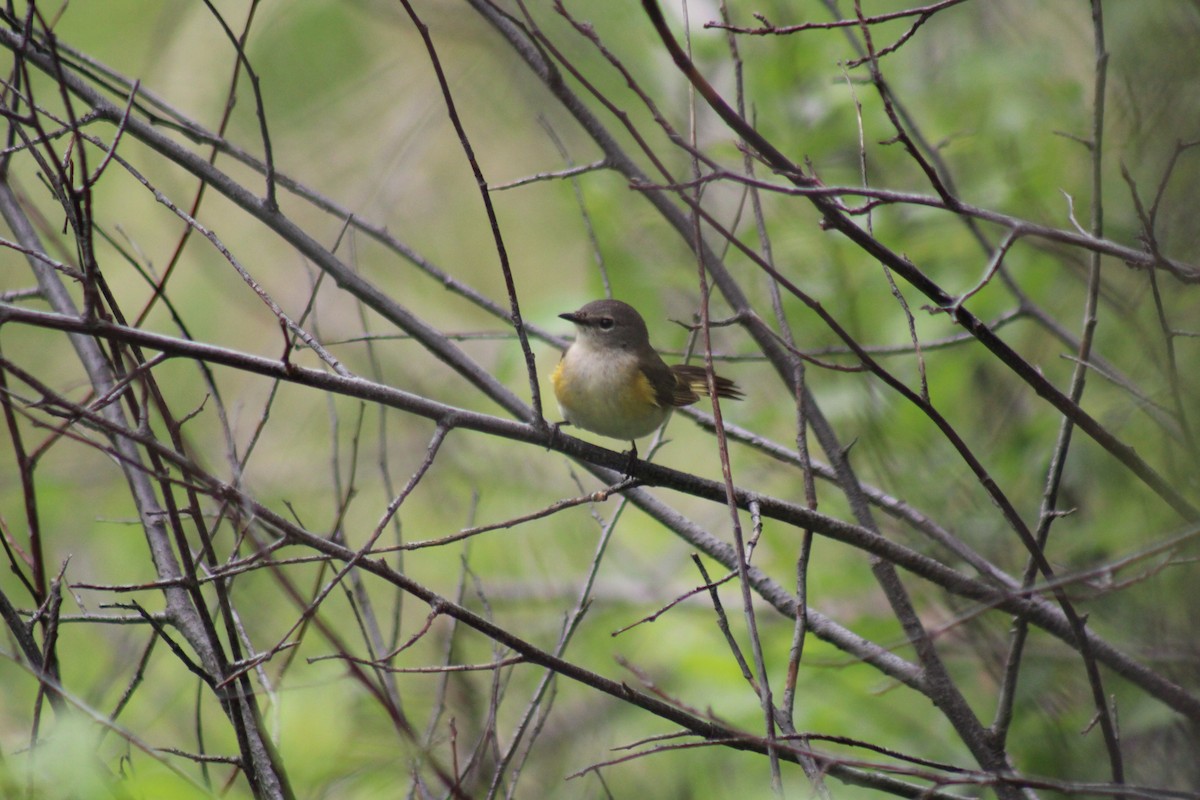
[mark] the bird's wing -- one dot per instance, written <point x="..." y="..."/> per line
<point x="670" y="390"/>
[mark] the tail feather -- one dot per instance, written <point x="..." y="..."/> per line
<point x="696" y="379"/>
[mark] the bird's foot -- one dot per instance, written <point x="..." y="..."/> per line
<point x="631" y="459"/>
<point x="555" y="433"/>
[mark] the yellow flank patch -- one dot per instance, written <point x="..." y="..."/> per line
<point x="556" y="378"/>
<point x="643" y="391"/>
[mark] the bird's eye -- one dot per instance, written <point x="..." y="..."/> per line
<point x="606" y="323"/>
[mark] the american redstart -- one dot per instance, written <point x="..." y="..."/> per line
<point x="612" y="382"/>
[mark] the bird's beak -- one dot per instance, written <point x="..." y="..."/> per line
<point x="573" y="316"/>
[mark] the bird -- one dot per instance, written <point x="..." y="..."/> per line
<point x="611" y="381"/>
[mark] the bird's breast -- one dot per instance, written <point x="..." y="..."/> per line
<point x="607" y="393"/>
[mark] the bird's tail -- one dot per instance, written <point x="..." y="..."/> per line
<point x="697" y="379"/>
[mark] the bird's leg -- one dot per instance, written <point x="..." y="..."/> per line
<point x="632" y="459"/>
<point x="554" y="433"/>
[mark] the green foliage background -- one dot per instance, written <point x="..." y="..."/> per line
<point x="1004" y="91"/>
